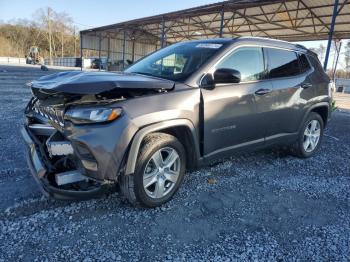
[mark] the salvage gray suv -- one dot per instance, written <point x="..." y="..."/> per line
<point x="179" y="108"/>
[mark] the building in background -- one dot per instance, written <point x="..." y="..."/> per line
<point x="291" y="20"/>
<point x="342" y="85"/>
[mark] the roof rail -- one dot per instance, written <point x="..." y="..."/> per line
<point x="301" y="46"/>
<point x="275" y="40"/>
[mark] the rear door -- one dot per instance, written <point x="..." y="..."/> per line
<point x="231" y="119"/>
<point x="291" y="92"/>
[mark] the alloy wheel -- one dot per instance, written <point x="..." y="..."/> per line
<point x="161" y="172"/>
<point x="312" y="135"/>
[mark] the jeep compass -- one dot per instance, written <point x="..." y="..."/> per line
<point x="176" y="109"/>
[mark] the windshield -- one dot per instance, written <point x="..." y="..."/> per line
<point x="176" y="62"/>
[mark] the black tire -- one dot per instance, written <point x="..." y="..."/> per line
<point x="297" y="148"/>
<point x="132" y="185"/>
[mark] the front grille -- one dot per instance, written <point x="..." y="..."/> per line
<point x="52" y="113"/>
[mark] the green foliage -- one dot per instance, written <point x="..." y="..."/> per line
<point x="334" y="107"/>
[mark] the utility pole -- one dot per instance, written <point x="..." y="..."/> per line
<point x="50" y="33"/>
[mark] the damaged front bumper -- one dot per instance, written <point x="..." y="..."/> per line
<point x="51" y="188"/>
<point x="74" y="161"/>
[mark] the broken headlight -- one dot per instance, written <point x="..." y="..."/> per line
<point x="92" y="115"/>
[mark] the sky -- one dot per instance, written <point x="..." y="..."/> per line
<point x="93" y="13"/>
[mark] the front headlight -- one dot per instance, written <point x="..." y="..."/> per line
<point x="92" y="115"/>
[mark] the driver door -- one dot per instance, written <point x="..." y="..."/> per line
<point x="232" y="118"/>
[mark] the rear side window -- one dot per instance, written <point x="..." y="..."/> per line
<point x="249" y="61"/>
<point x="282" y="63"/>
<point x="304" y="63"/>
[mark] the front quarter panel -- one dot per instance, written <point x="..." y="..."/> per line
<point x="180" y="103"/>
<point x="163" y="111"/>
<point x="107" y="143"/>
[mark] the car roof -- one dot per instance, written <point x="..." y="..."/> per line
<point x="255" y="40"/>
<point x="211" y="40"/>
<point x="273" y="42"/>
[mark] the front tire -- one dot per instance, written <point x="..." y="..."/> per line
<point x="159" y="171"/>
<point x="310" y="136"/>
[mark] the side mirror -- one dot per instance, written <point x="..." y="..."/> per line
<point x="227" y="75"/>
<point x="208" y="82"/>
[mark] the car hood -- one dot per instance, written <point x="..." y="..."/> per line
<point x="93" y="83"/>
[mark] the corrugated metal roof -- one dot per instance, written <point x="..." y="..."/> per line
<point x="293" y="20"/>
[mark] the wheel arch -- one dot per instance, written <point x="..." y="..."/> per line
<point x="321" y="108"/>
<point x="323" y="111"/>
<point x="182" y="129"/>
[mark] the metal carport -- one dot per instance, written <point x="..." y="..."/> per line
<point x="292" y="20"/>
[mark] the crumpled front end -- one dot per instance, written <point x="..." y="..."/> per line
<point x="73" y="161"/>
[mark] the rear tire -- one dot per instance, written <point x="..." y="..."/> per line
<point x="309" y="137"/>
<point x="159" y="171"/>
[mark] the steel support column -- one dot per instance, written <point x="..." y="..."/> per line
<point x="336" y="60"/>
<point x="81" y="51"/>
<point x="99" y="52"/>
<point x="133" y="49"/>
<point x="222" y="13"/>
<point x="108" y="50"/>
<point x="330" y="34"/>
<point x="124" y="46"/>
<point x="162" y="34"/>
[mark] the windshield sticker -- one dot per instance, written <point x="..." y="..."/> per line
<point x="206" y="45"/>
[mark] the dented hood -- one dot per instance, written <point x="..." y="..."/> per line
<point x="92" y="83"/>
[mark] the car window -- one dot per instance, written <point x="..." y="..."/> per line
<point x="282" y="63"/>
<point x="249" y="61"/>
<point x="304" y="63"/>
<point x="176" y="62"/>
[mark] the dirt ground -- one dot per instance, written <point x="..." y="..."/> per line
<point x="342" y="101"/>
<point x="259" y="206"/>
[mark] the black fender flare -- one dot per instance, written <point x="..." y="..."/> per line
<point x="139" y="136"/>
<point x="312" y="107"/>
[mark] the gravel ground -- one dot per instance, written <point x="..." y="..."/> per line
<point x="261" y="206"/>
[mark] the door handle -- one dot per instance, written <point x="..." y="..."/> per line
<point x="306" y="85"/>
<point x="262" y="91"/>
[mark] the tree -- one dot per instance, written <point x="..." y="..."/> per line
<point x="347" y="57"/>
<point x="58" y="26"/>
<point x="52" y="32"/>
<point x="320" y="51"/>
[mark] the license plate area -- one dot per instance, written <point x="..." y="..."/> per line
<point x="57" y="146"/>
